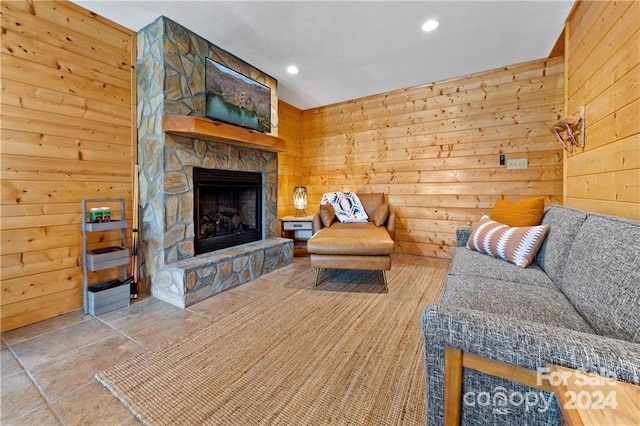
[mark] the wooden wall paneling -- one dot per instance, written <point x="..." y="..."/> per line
<point x="62" y="79"/>
<point x="23" y="168"/>
<point x="418" y="164"/>
<point x="80" y="19"/>
<point x="603" y="74"/>
<point x="457" y="88"/>
<point x="290" y="161"/>
<point x="619" y="208"/>
<point x="39" y="99"/>
<point x="52" y="146"/>
<point x="613" y="186"/>
<point x="608" y="158"/>
<point x="39" y="308"/>
<point x="19" y="118"/>
<point x="595" y="41"/>
<point x="434" y="149"/>
<point x="615" y="126"/>
<point x="42" y="261"/>
<point x="20" y="191"/>
<point x="405" y="114"/>
<point x="68" y="61"/>
<point x="422" y="121"/>
<point x="558" y="47"/>
<point x="436" y="144"/>
<point x="43" y="284"/>
<point x="614" y="97"/>
<point x="36" y="26"/>
<point x="68" y="97"/>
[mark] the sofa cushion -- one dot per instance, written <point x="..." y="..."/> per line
<point x="602" y="276"/>
<point x="471" y="263"/>
<point x="371" y="202"/>
<point x="524" y="302"/>
<point x="381" y="215"/>
<point x="351" y="238"/>
<point x="564" y="224"/>
<point x="327" y="214"/>
<point x="347" y="206"/>
<point x="462" y="235"/>
<point x="517" y="245"/>
<point x="527" y="212"/>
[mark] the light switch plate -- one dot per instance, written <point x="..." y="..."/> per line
<point x="518" y="163"/>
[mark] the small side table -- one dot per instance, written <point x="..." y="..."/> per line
<point x="299" y="229"/>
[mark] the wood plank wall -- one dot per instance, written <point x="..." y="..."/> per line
<point x="290" y="161"/>
<point x="435" y="149"/>
<point x="68" y="114"/>
<point x="603" y="74"/>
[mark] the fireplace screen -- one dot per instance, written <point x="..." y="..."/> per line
<point x="228" y="208"/>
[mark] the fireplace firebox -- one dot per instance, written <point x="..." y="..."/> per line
<point x="227" y="208"/>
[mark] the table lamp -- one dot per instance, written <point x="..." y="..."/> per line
<point x="300" y="200"/>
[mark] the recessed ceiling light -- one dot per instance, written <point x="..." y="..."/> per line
<point x="430" y="25"/>
<point x="292" y="69"/>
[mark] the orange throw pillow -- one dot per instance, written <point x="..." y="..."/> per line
<point x="526" y="212"/>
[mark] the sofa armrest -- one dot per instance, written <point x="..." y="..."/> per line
<point x="528" y="344"/>
<point x="316" y="225"/>
<point x="391" y="225"/>
<point x="462" y="235"/>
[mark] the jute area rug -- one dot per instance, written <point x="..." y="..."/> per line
<point x="343" y="353"/>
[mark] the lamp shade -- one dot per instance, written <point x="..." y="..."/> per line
<point x="300" y="198"/>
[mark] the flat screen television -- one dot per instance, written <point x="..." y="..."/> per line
<point x="236" y="99"/>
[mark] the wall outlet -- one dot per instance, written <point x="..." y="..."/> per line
<point x="518" y="163"/>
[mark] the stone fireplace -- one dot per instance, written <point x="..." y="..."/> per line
<point x="176" y="264"/>
<point x="227" y="207"/>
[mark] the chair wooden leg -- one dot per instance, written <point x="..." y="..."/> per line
<point x="317" y="276"/>
<point x="384" y="278"/>
<point x="452" y="385"/>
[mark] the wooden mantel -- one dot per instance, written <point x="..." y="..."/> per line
<point x="203" y="128"/>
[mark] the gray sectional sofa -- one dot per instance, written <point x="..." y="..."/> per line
<point x="577" y="305"/>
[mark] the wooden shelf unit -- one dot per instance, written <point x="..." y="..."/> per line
<point x="99" y="302"/>
<point x="203" y="128"/>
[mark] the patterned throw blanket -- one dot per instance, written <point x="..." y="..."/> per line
<point x="347" y="206"/>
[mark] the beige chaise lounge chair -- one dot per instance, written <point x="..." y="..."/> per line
<point x="366" y="246"/>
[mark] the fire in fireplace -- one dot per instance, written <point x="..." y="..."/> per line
<point x="227" y="208"/>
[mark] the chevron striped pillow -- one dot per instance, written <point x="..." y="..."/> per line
<point x="517" y="245"/>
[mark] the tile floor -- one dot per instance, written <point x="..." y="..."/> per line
<point x="48" y="367"/>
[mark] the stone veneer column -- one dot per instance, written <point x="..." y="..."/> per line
<point x="171" y="67"/>
<point x="150" y="109"/>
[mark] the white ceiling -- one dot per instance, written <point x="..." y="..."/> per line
<point x="349" y="49"/>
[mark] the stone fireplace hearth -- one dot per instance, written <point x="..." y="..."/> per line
<point x="171" y="81"/>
